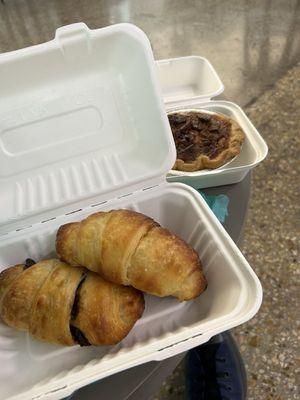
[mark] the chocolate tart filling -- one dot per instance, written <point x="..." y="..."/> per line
<point x="197" y="133"/>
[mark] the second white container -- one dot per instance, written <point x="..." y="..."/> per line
<point x="192" y="82"/>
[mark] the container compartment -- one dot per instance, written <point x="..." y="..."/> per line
<point x="253" y="151"/>
<point x="188" y="79"/>
<point x="233" y="296"/>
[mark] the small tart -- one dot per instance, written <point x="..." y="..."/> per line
<point x="204" y="140"/>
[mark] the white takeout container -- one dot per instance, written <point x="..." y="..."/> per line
<point x="82" y="129"/>
<point x="191" y="82"/>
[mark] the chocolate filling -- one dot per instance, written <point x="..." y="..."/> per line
<point x="78" y="336"/>
<point x="197" y="133"/>
<point x="75" y="307"/>
<point x="76" y="333"/>
<point x="29" y="262"/>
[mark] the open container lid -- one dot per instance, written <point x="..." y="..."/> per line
<point x="80" y="116"/>
<point x="188" y="80"/>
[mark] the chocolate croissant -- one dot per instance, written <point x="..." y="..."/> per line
<point x="129" y="248"/>
<point x="60" y="304"/>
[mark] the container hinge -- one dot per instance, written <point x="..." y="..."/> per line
<point x="181" y="341"/>
<point x="39" y="396"/>
<point x="94" y="206"/>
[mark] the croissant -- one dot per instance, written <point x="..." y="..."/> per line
<point x="61" y="304"/>
<point x="129" y="248"/>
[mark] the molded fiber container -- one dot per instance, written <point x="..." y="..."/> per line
<point x="88" y="134"/>
<point x="192" y="83"/>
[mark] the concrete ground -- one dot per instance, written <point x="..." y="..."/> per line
<point x="250" y="43"/>
<point x="255" y="47"/>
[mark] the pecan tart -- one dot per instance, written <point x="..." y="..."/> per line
<point x="204" y="140"/>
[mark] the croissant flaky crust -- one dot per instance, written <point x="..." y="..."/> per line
<point x="129" y="248"/>
<point x="61" y="304"/>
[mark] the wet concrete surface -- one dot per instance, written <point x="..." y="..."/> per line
<point x="250" y="43"/>
<point x="253" y="45"/>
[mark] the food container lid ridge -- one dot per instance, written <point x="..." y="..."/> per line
<point x="90" y="121"/>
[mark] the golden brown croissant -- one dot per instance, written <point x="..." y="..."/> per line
<point x="61" y="304"/>
<point x="129" y="248"/>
